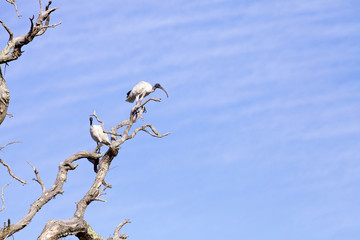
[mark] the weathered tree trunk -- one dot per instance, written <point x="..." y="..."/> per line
<point x="4" y="98"/>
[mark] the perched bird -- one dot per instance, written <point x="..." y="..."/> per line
<point x="141" y="90"/>
<point x="98" y="134"/>
<point x="100" y="138"/>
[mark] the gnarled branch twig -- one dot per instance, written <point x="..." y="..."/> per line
<point x="1" y="148"/>
<point x="11" y="173"/>
<point x="12" y="50"/>
<point x="7" y="165"/>
<point x="13" y="3"/>
<point x="143" y="128"/>
<point x="2" y="196"/>
<point x="117" y="235"/>
<point x="38" y="179"/>
<point x="11" y="35"/>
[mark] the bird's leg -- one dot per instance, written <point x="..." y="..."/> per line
<point x="96" y="163"/>
<point x="141" y="97"/>
<point x="98" y="147"/>
<point x="143" y="112"/>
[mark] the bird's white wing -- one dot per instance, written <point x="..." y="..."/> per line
<point x="140" y="88"/>
<point x="98" y="135"/>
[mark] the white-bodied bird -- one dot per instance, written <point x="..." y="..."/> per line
<point x="141" y="90"/>
<point x="98" y="134"/>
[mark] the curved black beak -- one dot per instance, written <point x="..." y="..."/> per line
<point x="163" y="90"/>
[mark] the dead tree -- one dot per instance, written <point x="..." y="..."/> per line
<point x="123" y="131"/>
<point x="13" y="48"/>
<point x="55" y="229"/>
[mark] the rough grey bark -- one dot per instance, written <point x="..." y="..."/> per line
<point x="4" y="98"/>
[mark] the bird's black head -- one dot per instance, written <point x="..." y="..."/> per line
<point x="91" y="119"/>
<point x="157" y="85"/>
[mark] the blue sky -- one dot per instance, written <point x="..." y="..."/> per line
<point x="263" y="108"/>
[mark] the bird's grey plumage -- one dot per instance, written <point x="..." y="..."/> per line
<point x="141" y="90"/>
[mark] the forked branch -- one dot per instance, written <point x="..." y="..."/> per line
<point x="49" y="194"/>
<point x="12" y="50"/>
<point x="38" y="179"/>
<point x="76" y="225"/>
<point x="117" y="235"/>
<point x="154" y="132"/>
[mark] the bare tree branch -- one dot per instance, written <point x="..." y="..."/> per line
<point x="143" y="128"/>
<point x="135" y="113"/>
<point x="2" y="196"/>
<point x="4" y="97"/>
<point x="56" y="189"/>
<point x="118" y="235"/>
<point x="40" y="3"/>
<point x="11" y="35"/>
<point x="12" y="50"/>
<point x="11" y="173"/>
<point x="1" y="148"/>
<point x="8" y="167"/>
<point x="38" y="179"/>
<point x="55" y="229"/>
<point x="13" y="3"/>
<point x="76" y="225"/>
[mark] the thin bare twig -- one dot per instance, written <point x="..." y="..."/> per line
<point x="1" y="148"/>
<point x="150" y="99"/>
<point x="97" y="119"/>
<point x="8" y="167"/>
<point x="41" y="10"/>
<point x="2" y="197"/>
<point x="38" y="179"/>
<point x="10" y="172"/>
<point x="118" y="235"/>
<point x="8" y="30"/>
<point x="143" y="128"/>
<point x="13" y="3"/>
<point x="44" y="28"/>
